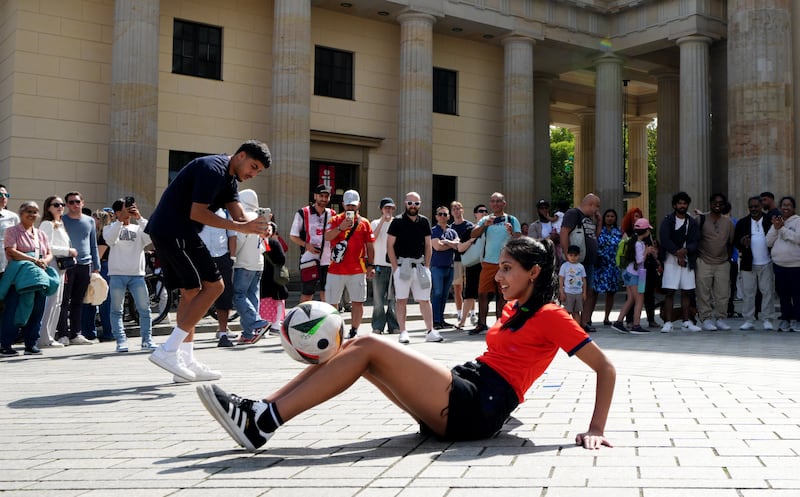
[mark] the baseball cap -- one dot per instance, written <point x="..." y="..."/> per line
<point x="351" y="197"/>
<point x="322" y="189"/>
<point x="387" y="201"/>
<point x="642" y="224"/>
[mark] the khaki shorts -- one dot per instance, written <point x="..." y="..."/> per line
<point x="487" y="283"/>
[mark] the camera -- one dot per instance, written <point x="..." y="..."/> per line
<point x="129" y="201"/>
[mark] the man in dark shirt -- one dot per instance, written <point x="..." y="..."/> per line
<point x="409" y="250"/>
<point x="189" y="203"/>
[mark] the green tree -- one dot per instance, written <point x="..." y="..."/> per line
<point x="562" y="165"/>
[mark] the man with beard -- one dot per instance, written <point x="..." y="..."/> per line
<point x="409" y="250"/>
<point x="679" y="235"/>
<point x="308" y="230"/>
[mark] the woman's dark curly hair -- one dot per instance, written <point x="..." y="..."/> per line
<point x="528" y="253"/>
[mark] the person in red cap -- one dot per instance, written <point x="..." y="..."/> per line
<point x="634" y="278"/>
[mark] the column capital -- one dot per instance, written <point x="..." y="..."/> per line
<point x="412" y="15"/>
<point x="693" y="39"/>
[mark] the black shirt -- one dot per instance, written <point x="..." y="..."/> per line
<point x="410" y="235"/>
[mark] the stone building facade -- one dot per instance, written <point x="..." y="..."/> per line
<point x="450" y="98"/>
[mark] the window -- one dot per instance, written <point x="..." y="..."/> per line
<point x="445" y="91"/>
<point x="196" y="49"/>
<point x="178" y="159"/>
<point x="333" y="73"/>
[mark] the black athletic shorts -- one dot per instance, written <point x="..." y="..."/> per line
<point x="310" y="287"/>
<point x="480" y="403"/>
<point x="185" y="262"/>
<point x="225" y="265"/>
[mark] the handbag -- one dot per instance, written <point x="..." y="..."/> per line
<point x="309" y="271"/>
<point x="65" y="262"/>
<point x="474" y="253"/>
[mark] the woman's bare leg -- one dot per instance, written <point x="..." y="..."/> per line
<point x="397" y="371"/>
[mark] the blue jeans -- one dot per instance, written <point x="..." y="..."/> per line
<point x="30" y="330"/>
<point x="116" y="299"/>
<point x="383" y="306"/>
<point x="441" y="280"/>
<point x="246" y="286"/>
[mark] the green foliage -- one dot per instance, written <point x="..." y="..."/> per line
<point x="562" y="165"/>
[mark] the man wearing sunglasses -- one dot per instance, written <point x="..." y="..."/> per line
<point x="7" y="220"/>
<point x="409" y="250"/>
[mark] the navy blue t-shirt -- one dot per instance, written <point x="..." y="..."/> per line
<point x="204" y="180"/>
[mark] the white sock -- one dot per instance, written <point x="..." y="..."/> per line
<point x="175" y="339"/>
<point x="187" y="349"/>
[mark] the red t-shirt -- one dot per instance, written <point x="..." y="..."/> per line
<point x="521" y="356"/>
<point x="354" y="261"/>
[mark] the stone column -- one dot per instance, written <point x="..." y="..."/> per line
<point x="585" y="169"/>
<point x="668" y="144"/>
<point x="609" y="172"/>
<point x="518" y="156"/>
<point x="287" y="179"/>
<point x="542" y="86"/>
<point x="637" y="165"/>
<point x="134" y="103"/>
<point x="760" y="111"/>
<point x="695" y="135"/>
<point x="415" y="126"/>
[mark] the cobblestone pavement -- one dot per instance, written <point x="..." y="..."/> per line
<point x="712" y="414"/>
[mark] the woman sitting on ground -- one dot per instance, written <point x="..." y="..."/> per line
<point x="469" y="402"/>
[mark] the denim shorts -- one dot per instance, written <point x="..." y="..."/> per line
<point x="480" y="403"/>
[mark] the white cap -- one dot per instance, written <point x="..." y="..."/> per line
<point x="351" y="197"/>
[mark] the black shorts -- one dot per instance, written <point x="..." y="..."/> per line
<point x="312" y="286"/>
<point x="480" y="403"/>
<point x="185" y="262"/>
<point x="225" y="265"/>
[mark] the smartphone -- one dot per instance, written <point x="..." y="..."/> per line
<point x="350" y="215"/>
<point x="129" y="201"/>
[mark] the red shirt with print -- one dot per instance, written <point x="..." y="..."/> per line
<point x="354" y="261"/>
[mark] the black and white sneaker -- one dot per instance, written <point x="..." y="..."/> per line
<point x="236" y="414"/>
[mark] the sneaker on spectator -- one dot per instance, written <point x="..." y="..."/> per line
<point x="667" y="328"/>
<point x="767" y="325"/>
<point x="224" y="341"/>
<point x="784" y="326"/>
<point x="172" y="362"/>
<point x="80" y="340"/>
<point x="747" y="325"/>
<point x="149" y="346"/>
<point x="433" y="336"/>
<point x="404" y="337"/>
<point x="239" y="416"/>
<point x="64" y="341"/>
<point x="690" y="326"/>
<point x="122" y="346"/>
<point x="708" y="325"/>
<point x="722" y="325"/>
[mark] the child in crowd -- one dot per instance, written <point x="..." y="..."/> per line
<point x="572" y="283"/>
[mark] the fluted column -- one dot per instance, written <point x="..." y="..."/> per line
<point x="668" y="144"/>
<point x="760" y="112"/>
<point x="518" y="153"/>
<point x="415" y="127"/>
<point x="542" y="88"/>
<point x="291" y="98"/>
<point x="695" y="127"/>
<point x="134" y="103"/>
<point x="637" y="164"/>
<point x="609" y="167"/>
<point x="585" y="168"/>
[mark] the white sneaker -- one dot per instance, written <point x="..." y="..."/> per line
<point x="172" y="362"/>
<point x="747" y="325"/>
<point x="784" y="326"/>
<point x="690" y="326"/>
<point x="667" y="328"/>
<point x="767" y="326"/>
<point x="404" y="337"/>
<point x="433" y="336"/>
<point x="709" y="325"/>
<point x="722" y="325"/>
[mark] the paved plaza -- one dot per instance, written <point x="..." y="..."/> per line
<point x="712" y="414"/>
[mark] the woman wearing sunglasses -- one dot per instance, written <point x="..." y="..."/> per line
<point x="53" y="227"/>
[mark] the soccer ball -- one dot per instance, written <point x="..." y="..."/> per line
<point x="312" y="332"/>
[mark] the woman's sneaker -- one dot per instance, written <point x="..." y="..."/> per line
<point x="239" y="416"/>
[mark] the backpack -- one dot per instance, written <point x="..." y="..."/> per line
<point x="622" y="251"/>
